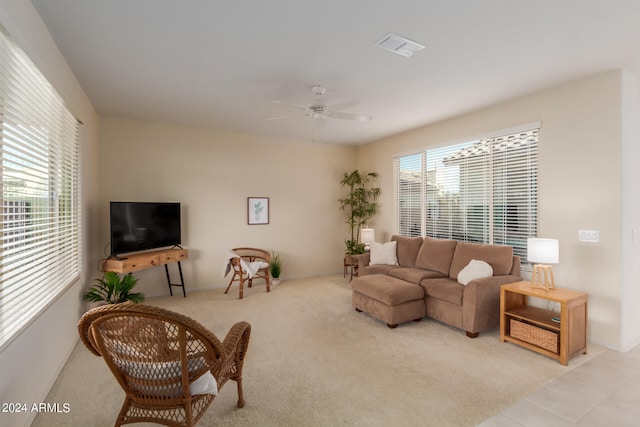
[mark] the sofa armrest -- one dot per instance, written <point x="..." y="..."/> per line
<point x="481" y="302"/>
<point x="361" y="259"/>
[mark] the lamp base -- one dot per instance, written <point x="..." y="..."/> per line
<point x="540" y="270"/>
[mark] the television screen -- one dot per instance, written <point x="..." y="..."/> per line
<point x="139" y="226"/>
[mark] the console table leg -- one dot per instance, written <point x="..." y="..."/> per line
<point x="166" y="269"/>
<point x="184" y="293"/>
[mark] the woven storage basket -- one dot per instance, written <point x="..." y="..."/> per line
<point x="534" y="335"/>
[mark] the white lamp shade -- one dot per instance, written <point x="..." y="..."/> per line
<point x="543" y="251"/>
<point x="367" y="235"/>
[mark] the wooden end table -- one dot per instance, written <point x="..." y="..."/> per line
<point x="350" y="267"/>
<point x="537" y="328"/>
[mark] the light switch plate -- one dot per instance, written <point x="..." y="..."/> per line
<point x="592" y="236"/>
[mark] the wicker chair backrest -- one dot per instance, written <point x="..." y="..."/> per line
<point x="154" y="354"/>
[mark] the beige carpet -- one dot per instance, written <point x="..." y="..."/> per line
<point x="314" y="361"/>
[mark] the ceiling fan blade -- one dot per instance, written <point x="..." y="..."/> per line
<point x="342" y="105"/>
<point x="349" y="116"/>
<point x="299" y="107"/>
<point x="284" y="117"/>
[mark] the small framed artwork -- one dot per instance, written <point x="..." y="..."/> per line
<point x="257" y="210"/>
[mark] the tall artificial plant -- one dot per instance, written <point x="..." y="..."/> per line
<point x="360" y="205"/>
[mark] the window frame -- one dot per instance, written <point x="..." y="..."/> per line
<point x="433" y="181"/>
<point x="41" y="221"/>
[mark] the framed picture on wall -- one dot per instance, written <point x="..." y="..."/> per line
<point x="257" y="210"/>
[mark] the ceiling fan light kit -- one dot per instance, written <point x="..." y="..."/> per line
<point x="318" y="90"/>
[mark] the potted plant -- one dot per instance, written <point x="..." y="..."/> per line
<point x="275" y="268"/>
<point x="359" y="204"/>
<point x="113" y="289"/>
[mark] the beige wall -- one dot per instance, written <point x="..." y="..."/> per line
<point x="30" y="364"/>
<point x="212" y="173"/>
<point x="580" y="182"/>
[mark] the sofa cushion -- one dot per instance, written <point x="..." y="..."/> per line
<point x="408" y="248"/>
<point x="376" y="269"/>
<point x="500" y="258"/>
<point x="474" y="270"/>
<point x="383" y="253"/>
<point x="414" y="275"/>
<point x="445" y="289"/>
<point x="387" y="289"/>
<point x="436" y="254"/>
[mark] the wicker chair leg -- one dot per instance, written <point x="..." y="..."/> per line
<point x="123" y="412"/>
<point x="240" y="393"/>
<point x="231" y="282"/>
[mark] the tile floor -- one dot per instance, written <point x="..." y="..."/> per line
<point x="604" y="391"/>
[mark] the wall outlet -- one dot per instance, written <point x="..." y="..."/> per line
<point x="592" y="236"/>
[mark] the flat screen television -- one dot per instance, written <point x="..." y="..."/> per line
<point x="140" y="226"/>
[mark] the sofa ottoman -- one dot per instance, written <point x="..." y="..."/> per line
<point x="389" y="299"/>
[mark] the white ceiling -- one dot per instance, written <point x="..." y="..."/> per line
<point x="220" y="64"/>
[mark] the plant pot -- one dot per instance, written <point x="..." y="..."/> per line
<point x="275" y="281"/>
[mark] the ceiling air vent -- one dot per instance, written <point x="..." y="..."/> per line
<point x="400" y="45"/>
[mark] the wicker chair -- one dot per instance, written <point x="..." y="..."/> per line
<point x="159" y="356"/>
<point x="240" y="275"/>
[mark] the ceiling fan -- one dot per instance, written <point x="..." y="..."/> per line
<point x="319" y="111"/>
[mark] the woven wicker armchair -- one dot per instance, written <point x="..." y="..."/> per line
<point x="240" y="275"/>
<point x="164" y="361"/>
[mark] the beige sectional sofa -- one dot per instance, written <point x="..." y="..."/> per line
<point x="424" y="282"/>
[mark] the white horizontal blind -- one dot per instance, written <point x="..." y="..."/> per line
<point x="40" y="222"/>
<point x="515" y="189"/>
<point x="409" y="193"/>
<point x="482" y="191"/>
<point x="457" y="199"/>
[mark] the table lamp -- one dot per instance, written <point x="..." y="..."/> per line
<point x="367" y="236"/>
<point x="543" y="252"/>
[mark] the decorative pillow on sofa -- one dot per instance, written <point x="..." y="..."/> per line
<point x="499" y="257"/>
<point x="474" y="270"/>
<point x="383" y="253"/>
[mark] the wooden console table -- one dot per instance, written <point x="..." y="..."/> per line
<point x="141" y="261"/>
<point x="558" y="335"/>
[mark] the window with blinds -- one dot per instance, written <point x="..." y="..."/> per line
<point x="408" y="182"/>
<point x="482" y="191"/>
<point x="40" y="222"/>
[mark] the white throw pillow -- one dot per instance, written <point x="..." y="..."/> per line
<point x="474" y="270"/>
<point x="206" y="384"/>
<point x="383" y="253"/>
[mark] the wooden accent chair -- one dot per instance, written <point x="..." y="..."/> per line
<point x="169" y="365"/>
<point x="249" y="255"/>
